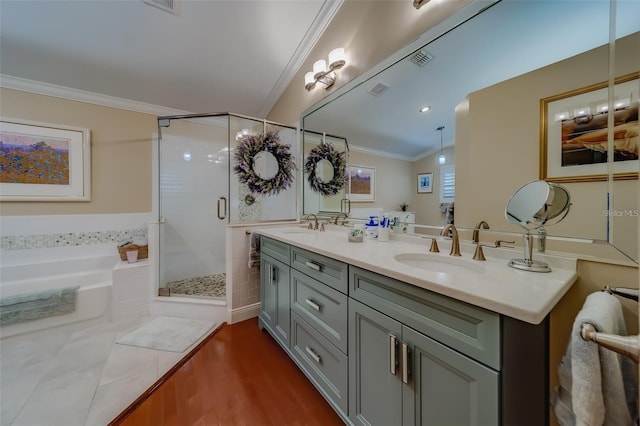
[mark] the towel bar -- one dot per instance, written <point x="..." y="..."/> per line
<point x="625" y="345"/>
<point x="626" y="292"/>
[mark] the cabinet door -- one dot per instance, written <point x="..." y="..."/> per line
<point x="448" y="387"/>
<point x="375" y="392"/>
<point x="274" y="290"/>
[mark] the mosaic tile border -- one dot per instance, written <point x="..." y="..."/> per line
<point x="68" y="239"/>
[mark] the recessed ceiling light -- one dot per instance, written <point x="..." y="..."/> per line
<point x="425" y="108"/>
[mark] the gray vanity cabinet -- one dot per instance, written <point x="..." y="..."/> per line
<point x="384" y="352"/>
<point x="275" y="312"/>
<point x="420" y="381"/>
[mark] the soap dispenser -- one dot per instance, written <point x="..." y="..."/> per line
<point x="371" y="231"/>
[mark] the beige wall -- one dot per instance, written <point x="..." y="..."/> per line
<point x="498" y="143"/>
<point x="394" y="183"/>
<point x="120" y="153"/>
<point x="357" y="28"/>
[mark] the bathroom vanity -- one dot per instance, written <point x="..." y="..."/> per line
<point x="391" y="334"/>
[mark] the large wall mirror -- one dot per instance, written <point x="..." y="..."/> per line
<point x="499" y="80"/>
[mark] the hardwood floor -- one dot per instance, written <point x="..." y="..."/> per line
<point x="240" y="376"/>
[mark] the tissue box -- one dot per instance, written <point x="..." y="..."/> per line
<point x="143" y="251"/>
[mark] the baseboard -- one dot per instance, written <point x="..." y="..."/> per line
<point x="244" y="313"/>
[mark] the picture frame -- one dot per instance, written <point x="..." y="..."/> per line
<point x="362" y="183"/>
<point x="574" y="133"/>
<point x="44" y="162"/>
<point x="425" y="183"/>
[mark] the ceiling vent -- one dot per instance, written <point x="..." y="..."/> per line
<point x="421" y="57"/>
<point x="170" y="6"/>
<point x="378" y="89"/>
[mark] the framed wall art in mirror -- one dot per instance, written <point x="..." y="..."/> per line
<point x="574" y="133"/>
<point x="425" y="183"/>
<point x="362" y="183"/>
<point x="44" y="162"/>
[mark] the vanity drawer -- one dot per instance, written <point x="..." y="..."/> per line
<point x="276" y="249"/>
<point x="469" y="329"/>
<point x="324" y="308"/>
<point x="323" y="363"/>
<point x="328" y="271"/>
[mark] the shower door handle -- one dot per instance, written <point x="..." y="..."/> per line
<point x="222" y="215"/>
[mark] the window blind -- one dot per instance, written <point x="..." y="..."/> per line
<point x="447" y="184"/>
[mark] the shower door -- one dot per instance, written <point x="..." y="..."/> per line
<point x="193" y="196"/>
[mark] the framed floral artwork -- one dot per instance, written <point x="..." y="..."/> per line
<point x="44" y="162"/>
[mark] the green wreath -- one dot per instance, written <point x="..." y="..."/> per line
<point x="326" y="151"/>
<point x="245" y="156"/>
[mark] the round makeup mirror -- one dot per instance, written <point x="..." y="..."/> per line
<point x="533" y="206"/>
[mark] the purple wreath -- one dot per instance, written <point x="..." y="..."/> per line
<point x="245" y="154"/>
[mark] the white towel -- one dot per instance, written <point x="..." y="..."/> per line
<point x="597" y="386"/>
<point x="254" y="250"/>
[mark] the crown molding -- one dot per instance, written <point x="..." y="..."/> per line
<point x="47" y="89"/>
<point x="324" y="17"/>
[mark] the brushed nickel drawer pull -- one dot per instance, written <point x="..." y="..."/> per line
<point x="313" y="304"/>
<point x="405" y="363"/>
<point x="313" y="266"/>
<point x="393" y="354"/>
<point x="313" y="354"/>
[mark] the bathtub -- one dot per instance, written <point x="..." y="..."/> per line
<point x="92" y="276"/>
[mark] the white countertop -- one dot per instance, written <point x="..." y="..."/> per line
<point x="490" y="284"/>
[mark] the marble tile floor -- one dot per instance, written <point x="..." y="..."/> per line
<point x="68" y="376"/>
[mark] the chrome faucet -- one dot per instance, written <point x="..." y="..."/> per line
<point x="455" y="242"/>
<point x="315" y="223"/>
<point x="476" y="230"/>
<point x="338" y="216"/>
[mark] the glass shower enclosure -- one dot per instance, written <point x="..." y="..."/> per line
<point x="199" y="195"/>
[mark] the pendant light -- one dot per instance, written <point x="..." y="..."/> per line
<point x="441" y="158"/>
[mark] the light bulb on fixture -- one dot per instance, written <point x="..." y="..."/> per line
<point x="323" y="74"/>
<point x="441" y="158"/>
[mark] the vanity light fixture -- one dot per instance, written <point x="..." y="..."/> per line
<point x="323" y="75"/>
<point x="425" y="109"/>
<point x="441" y="158"/>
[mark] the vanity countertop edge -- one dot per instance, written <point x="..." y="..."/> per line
<point x="523" y="295"/>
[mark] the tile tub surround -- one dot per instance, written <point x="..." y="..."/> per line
<point x="526" y="296"/>
<point x="48" y="238"/>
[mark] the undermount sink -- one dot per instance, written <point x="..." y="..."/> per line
<point x="438" y="263"/>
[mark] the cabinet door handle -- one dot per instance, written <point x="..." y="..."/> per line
<point x="405" y="363"/>
<point x="393" y="354"/>
<point x="273" y="275"/>
<point x="313" y="304"/>
<point x="313" y="354"/>
<point x="313" y="266"/>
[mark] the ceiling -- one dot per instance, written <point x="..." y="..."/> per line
<point x="209" y="56"/>
<point x="511" y="38"/>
